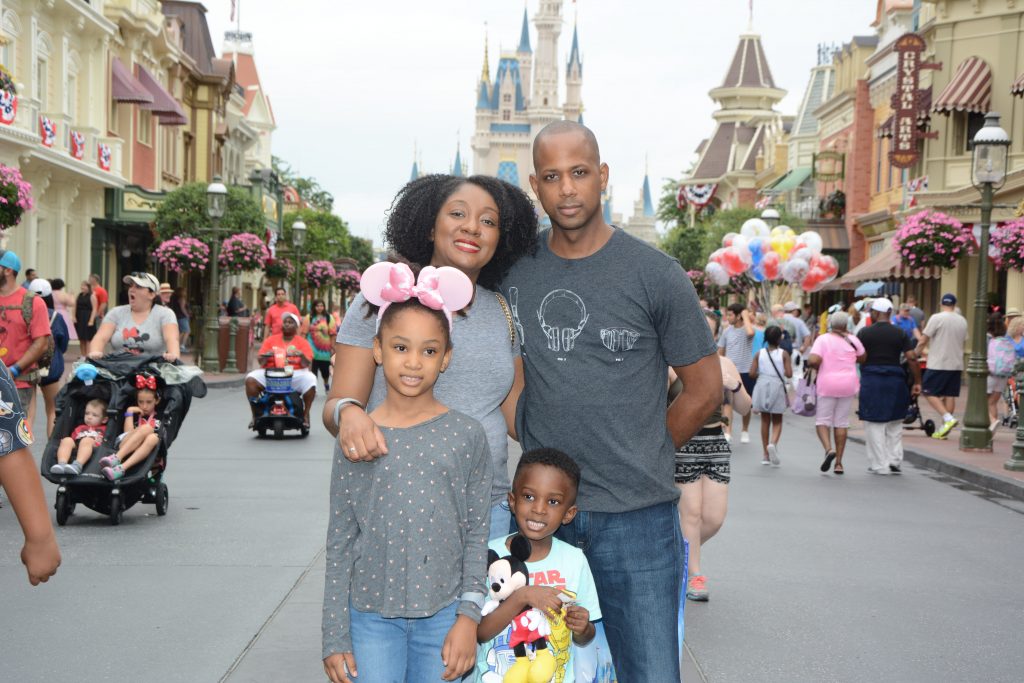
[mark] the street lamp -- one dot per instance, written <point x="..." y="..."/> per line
<point x="988" y="172"/>
<point x="216" y="202"/>
<point x="771" y="217"/>
<point x="298" y="239"/>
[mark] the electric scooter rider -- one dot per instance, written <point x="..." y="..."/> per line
<point x="303" y="381"/>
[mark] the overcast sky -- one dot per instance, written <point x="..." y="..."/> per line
<point x="355" y="84"/>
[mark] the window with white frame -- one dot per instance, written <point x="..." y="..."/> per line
<point x="41" y="84"/>
<point x="71" y="87"/>
<point x="8" y="51"/>
<point x="145" y="132"/>
<point x="169" y="151"/>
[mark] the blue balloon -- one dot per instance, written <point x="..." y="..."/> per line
<point x="756" y="273"/>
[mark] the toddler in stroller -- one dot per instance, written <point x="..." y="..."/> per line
<point x="142" y="454"/>
<point x="87" y="436"/>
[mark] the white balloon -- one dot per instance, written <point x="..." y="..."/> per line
<point x="812" y="240"/>
<point x="794" y="270"/>
<point x="754" y="227"/>
<point x="740" y="244"/>
<point x="804" y="253"/>
<point x="717" y="274"/>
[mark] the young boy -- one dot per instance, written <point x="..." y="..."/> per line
<point x="87" y="436"/>
<point x="19" y="476"/>
<point x="543" y="498"/>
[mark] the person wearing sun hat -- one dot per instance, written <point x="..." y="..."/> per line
<point x="944" y="336"/>
<point x="23" y="338"/>
<point x="140" y="326"/>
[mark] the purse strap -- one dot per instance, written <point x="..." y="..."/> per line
<point x="771" y="360"/>
<point x="508" y="319"/>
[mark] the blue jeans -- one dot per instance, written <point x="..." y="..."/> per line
<point x="637" y="561"/>
<point x="501" y="520"/>
<point x="397" y="650"/>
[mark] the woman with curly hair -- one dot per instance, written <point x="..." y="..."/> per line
<point x="480" y="225"/>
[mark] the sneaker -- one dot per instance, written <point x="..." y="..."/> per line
<point x="697" y="588"/>
<point x="113" y="473"/>
<point x="773" y="454"/>
<point x="766" y="462"/>
<point x="57" y="468"/>
<point x="744" y="437"/>
<point x="74" y="468"/>
<point x="895" y="469"/>
<point x="945" y="429"/>
<point x="110" y="461"/>
<point x="878" y="470"/>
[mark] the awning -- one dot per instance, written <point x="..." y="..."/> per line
<point x="791" y="180"/>
<point x="1017" y="88"/>
<point x="885" y="265"/>
<point x="970" y="89"/>
<point x="125" y="87"/>
<point x="833" y="237"/>
<point x="869" y="288"/>
<point x="166" y="108"/>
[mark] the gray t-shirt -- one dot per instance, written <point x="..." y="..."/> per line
<point x="147" y="338"/>
<point x="478" y="378"/>
<point x="598" y="335"/>
<point x="947" y="333"/>
<point x="408" y="532"/>
<point x="739" y="348"/>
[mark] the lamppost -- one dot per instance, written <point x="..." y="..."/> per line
<point x="298" y="239"/>
<point x="771" y="217"/>
<point x="988" y="172"/>
<point x="216" y="202"/>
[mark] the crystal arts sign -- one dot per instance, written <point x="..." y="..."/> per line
<point x="907" y="100"/>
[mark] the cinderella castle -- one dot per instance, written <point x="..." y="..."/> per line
<point x="524" y="97"/>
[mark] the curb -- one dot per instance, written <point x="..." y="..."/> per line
<point x="976" y="476"/>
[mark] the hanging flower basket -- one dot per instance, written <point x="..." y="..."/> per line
<point x="279" y="268"/>
<point x="15" y="197"/>
<point x="183" y="254"/>
<point x="243" y="253"/>
<point x="348" y="279"/>
<point x="930" y="239"/>
<point x="319" y="274"/>
<point x="1008" y="245"/>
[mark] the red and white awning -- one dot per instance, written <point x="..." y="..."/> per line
<point x="969" y="90"/>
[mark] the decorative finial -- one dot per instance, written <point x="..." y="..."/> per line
<point x="750" y="16"/>
<point x="486" y="75"/>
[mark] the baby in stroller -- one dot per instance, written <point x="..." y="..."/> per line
<point x="87" y="436"/>
<point x="141" y="431"/>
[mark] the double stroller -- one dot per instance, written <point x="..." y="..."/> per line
<point x="114" y="384"/>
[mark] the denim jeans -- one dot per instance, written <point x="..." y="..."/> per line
<point x="397" y="650"/>
<point x="501" y="521"/>
<point x="637" y="561"/>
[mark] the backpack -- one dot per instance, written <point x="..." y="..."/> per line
<point x="786" y="342"/>
<point x="1001" y="356"/>
<point x="43" y="364"/>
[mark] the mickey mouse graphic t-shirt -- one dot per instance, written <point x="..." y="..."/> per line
<point x="146" y="338"/>
<point x="565" y="568"/>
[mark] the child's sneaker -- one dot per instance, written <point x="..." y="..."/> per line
<point x="113" y="473"/>
<point x="697" y="588"/>
<point x="110" y="460"/>
<point x="74" y="468"/>
<point x="58" y="468"/>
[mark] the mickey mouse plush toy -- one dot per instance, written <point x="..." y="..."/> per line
<point x="530" y="627"/>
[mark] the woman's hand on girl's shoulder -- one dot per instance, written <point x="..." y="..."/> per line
<point x="359" y="436"/>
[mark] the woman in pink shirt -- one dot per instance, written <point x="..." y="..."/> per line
<point x="835" y="356"/>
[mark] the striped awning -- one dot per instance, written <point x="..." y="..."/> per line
<point x="885" y="265"/>
<point x="1017" y="88"/>
<point x="970" y="89"/>
<point x="124" y="87"/>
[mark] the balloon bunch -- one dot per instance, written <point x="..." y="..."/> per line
<point x="772" y="254"/>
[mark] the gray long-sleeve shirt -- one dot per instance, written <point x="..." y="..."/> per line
<point x="408" y="532"/>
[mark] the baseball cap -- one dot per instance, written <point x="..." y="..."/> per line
<point x="949" y="299"/>
<point x="835" y="308"/>
<point x="289" y="314"/>
<point x="1012" y="312"/>
<point x="41" y="287"/>
<point x="10" y="260"/>
<point x="146" y="280"/>
<point x="790" y="306"/>
<point x="881" y="305"/>
<point x="165" y="287"/>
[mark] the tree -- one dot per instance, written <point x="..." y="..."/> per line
<point x="327" y="236"/>
<point x="362" y="252"/>
<point x="308" y="188"/>
<point x="183" y="212"/>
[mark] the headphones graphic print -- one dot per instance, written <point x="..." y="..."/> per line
<point x="561" y="330"/>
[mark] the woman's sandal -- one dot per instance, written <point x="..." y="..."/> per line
<point x="829" y="457"/>
<point x="838" y="469"/>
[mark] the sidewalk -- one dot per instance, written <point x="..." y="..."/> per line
<point x="984" y="470"/>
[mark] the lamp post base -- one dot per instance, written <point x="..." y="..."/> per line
<point x="211" y="331"/>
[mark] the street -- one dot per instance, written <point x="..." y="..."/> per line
<point x="812" y="578"/>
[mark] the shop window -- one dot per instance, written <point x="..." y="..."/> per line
<point x="878" y="167"/>
<point x="112" y="123"/>
<point x="145" y="135"/>
<point x="965" y="127"/>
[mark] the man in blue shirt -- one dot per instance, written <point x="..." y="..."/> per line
<point x="905" y="321"/>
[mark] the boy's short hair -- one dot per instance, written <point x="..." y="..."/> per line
<point x="97" y="403"/>
<point x="737" y="308"/>
<point x="551" y="457"/>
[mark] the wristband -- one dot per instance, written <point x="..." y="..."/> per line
<point x="342" y="402"/>
<point x="127" y="414"/>
<point x="739" y="385"/>
<point x="15" y="370"/>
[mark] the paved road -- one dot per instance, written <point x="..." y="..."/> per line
<point x="175" y="598"/>
<point x="813" y="578"/>
<point x="861" y="578"/>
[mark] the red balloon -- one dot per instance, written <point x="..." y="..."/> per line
<point x="770" y="264"/>
<point x="733" y="262"/>
<point x="716" y="256"/>
<point x="830" y="266"/>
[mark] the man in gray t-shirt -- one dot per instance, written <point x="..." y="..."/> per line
<point x="602" y="316"/>
<point x="736" y="342"/>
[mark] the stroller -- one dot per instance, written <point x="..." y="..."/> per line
<point x="913" y="409"/>
<point x="114" y="384"/>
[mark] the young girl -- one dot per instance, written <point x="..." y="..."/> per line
<point x="770" y="368"/>
<point x="87" y="436"/>
<point x="141" y="431"/>
<point x="406" y="541"/>
<point x="322" y="329"/>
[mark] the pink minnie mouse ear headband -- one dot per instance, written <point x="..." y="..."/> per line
<point x="444" y="289"/>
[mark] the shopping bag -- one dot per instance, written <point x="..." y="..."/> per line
<point x="805" y="400"/>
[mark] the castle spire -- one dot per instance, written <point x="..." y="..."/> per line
<point x="457" y="166"/>
<point x="648" y="203"/>
<point x="485" y="77"/>
<point x="415" y="167"/>
<point x="574" y="52"/>
<point x="524" y="35"/>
